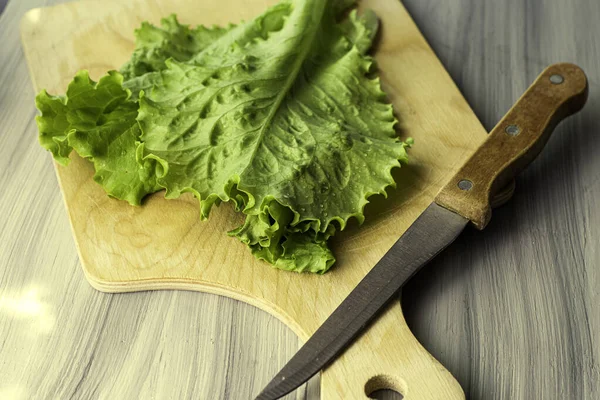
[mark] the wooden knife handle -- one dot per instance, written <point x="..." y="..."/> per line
<point x="559" y="91"/>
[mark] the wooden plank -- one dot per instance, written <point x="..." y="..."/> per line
<point x="520" y="296"/>
<point x="121" y="248"/>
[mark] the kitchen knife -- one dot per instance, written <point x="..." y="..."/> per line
<point x="517" y="139"/>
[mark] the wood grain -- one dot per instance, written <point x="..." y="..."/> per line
<point x="512" y="312"/>
<point x="514" y="143"/>
<point x="164" y="245"/>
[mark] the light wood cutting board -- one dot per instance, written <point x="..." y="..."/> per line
<point x="164" y="245"/>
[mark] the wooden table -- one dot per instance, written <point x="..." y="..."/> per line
<point x="513" y="312"/>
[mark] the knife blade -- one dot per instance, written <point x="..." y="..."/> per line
<point x="517" y="139"/>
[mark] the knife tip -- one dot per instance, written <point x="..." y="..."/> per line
<point x="273" y="391"/>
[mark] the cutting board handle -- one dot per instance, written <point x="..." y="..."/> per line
<point x="388" y="356"/>
<point x="559" y="91"/>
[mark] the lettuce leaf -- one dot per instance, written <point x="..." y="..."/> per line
<point x="99" y="121"/>
<point x="154" y="46"/>
<point x="279" y="115"/>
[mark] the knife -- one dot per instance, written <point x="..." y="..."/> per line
<point x="559" y="91"/>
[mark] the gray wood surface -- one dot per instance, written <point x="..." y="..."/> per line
<point x="512" y="312"/>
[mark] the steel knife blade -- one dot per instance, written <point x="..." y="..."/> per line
<point x="517" y="139"/>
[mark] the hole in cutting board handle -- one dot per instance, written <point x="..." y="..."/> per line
<point x="386" y="394"/>
<point x="385" y="387"/>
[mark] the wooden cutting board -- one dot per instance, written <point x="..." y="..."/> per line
<point x="164" y="245"/>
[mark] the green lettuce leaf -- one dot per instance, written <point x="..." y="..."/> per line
<point x="53" y="126"/>
<point x="100" y="125"/>
<point x="99" y="121"/>
<point x="154" y="45"/>
<point x="279" y="116"/>
<point x="291" y="119"/>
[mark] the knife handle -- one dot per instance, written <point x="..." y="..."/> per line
<point x="559" y="91"/>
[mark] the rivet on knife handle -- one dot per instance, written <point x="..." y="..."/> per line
<point x="517" y="139"/>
